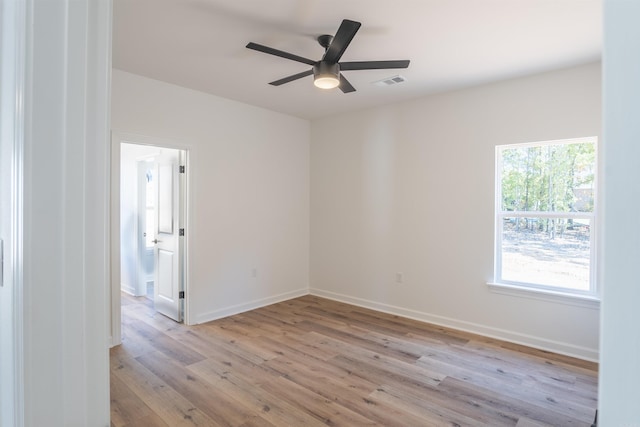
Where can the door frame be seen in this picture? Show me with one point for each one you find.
(13, 84)
(117, 138)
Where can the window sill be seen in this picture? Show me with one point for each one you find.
(586, 301)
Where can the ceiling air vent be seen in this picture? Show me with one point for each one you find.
(391, 81)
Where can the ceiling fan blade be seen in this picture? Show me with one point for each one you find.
(280, 53)
(345, 86)
(373, 65)
(292, 78)
(341, 40)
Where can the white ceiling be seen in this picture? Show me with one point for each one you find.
(200, 44)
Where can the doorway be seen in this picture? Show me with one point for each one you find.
(149, 199)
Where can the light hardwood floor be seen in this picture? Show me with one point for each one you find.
(315, 362)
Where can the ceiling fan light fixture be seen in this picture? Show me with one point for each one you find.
(326, 82)
(326, 76)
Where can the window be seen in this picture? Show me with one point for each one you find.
(545, 224)
(150, 207)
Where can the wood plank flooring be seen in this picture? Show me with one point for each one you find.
(315, 362)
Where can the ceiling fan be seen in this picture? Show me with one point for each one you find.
(327, 71)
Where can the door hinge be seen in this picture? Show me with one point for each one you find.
(181, 295)
(182, 168)
(181, 232)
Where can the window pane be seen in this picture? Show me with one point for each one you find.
(548, 177)
(547, 251)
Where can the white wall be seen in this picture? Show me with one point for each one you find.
(619, 393)
(249, 191)
(410, 188)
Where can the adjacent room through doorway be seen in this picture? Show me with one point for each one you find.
(152, 213)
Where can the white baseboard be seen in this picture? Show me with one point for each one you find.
(128, 289)
(251, 305)
(580, 352)
(487, 331)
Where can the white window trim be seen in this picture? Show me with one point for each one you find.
(589, 298)
(578, 300)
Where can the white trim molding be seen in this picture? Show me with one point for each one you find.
(119, 137)
(65, 212)
(13, 36)
(251, 305)
(577, 300)
(475, 328)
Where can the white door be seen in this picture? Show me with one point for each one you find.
(167, 251)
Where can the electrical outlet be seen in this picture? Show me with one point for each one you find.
(254, 272)
(399, 278)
